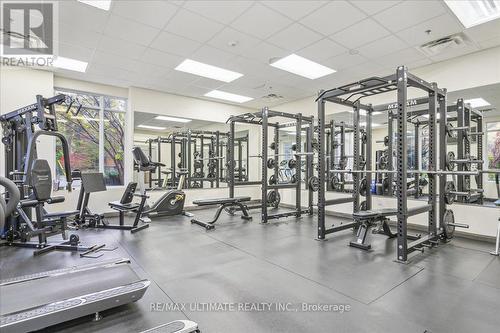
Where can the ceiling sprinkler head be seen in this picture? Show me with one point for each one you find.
(428, 31)
(353, 52)
(233, 43)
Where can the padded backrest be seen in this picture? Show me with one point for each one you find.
(139, 157)
(41, 179)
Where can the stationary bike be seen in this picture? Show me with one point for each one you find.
(170, 203)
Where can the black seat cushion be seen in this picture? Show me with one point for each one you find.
(370, 214)
(220, 201)
(119, 206)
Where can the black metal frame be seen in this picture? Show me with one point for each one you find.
(262, 118)
(400, 81)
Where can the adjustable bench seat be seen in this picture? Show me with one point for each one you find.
(223, 203)
(220, 201)
(374, 214)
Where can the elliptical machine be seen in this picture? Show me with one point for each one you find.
(170, 203)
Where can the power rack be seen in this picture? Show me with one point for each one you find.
(270, 161)
(351, 95)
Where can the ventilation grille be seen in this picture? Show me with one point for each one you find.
(440, 45)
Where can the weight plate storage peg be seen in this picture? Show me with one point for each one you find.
(271, 163)
(272, 180)
(313, 183)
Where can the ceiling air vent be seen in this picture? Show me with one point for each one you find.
(272, 96)
(444, 44)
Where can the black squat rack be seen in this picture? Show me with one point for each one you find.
(440, 221)
(164, 177)
(270, 161)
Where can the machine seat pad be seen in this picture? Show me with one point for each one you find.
(119, 206)
(374, 214)
(220, 201)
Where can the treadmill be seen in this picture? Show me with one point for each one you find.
(32, 302)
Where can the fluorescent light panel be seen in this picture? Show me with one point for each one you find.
(101, 4)
(301, 66)
(228, 96)
(209, 71)
(178, 120)
(477, 102)
(70, 64)
(474, 12)
(156, 128)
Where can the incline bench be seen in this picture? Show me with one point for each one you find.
(368, 219)
(223, 203)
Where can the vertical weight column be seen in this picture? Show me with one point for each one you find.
(321, 169)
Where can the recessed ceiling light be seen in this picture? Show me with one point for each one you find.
(228, 96)
(474, 12)
(101, 4)
(477, 102)
(70, 64)
(179, 120)
(301, 66)
(209, 71)
(156, 128)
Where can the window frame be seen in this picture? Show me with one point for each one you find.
(485, 147)
(101, 110)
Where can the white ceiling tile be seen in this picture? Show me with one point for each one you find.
(333, 17)
(263, 52)
(382, 47)
(344, 60)
(174, 44)
(159, 58)
(419, 63)
(220, 11)
(193, 26)
(409, 13)
(255, 68)
(360, 33)
(249, 81)
(212, 56)
(371, 7)
(108, 71)
(485, 31)
(78, 36)
(208, 83)
(194, 91)
(233, 41)
(130, 30)
(441, 26)
(110, 59)
(82, 16)
(153, 13)
(145, 71)
(321, 50)
(399, 58)
(121, 47)
(294, 9)
(294, 37)
(260, 21)
(75, 52)
(452, 53)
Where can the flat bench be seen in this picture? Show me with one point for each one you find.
(222, 203)
(374, 214)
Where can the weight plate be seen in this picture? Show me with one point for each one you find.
(363, 187)
(334, 183)
(448, 218)
(450, 164)
(271, 163)
(313, 183)
(449, 198)
(292, 163)
(272, 180)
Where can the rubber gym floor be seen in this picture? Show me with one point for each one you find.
(453, 288)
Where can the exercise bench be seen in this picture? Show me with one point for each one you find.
(371, 218)
(223, 203)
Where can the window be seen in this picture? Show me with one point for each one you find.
(493, 147)
(95, 134)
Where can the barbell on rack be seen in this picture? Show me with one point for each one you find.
(431, 172)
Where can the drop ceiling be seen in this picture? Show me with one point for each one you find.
(139, 43)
